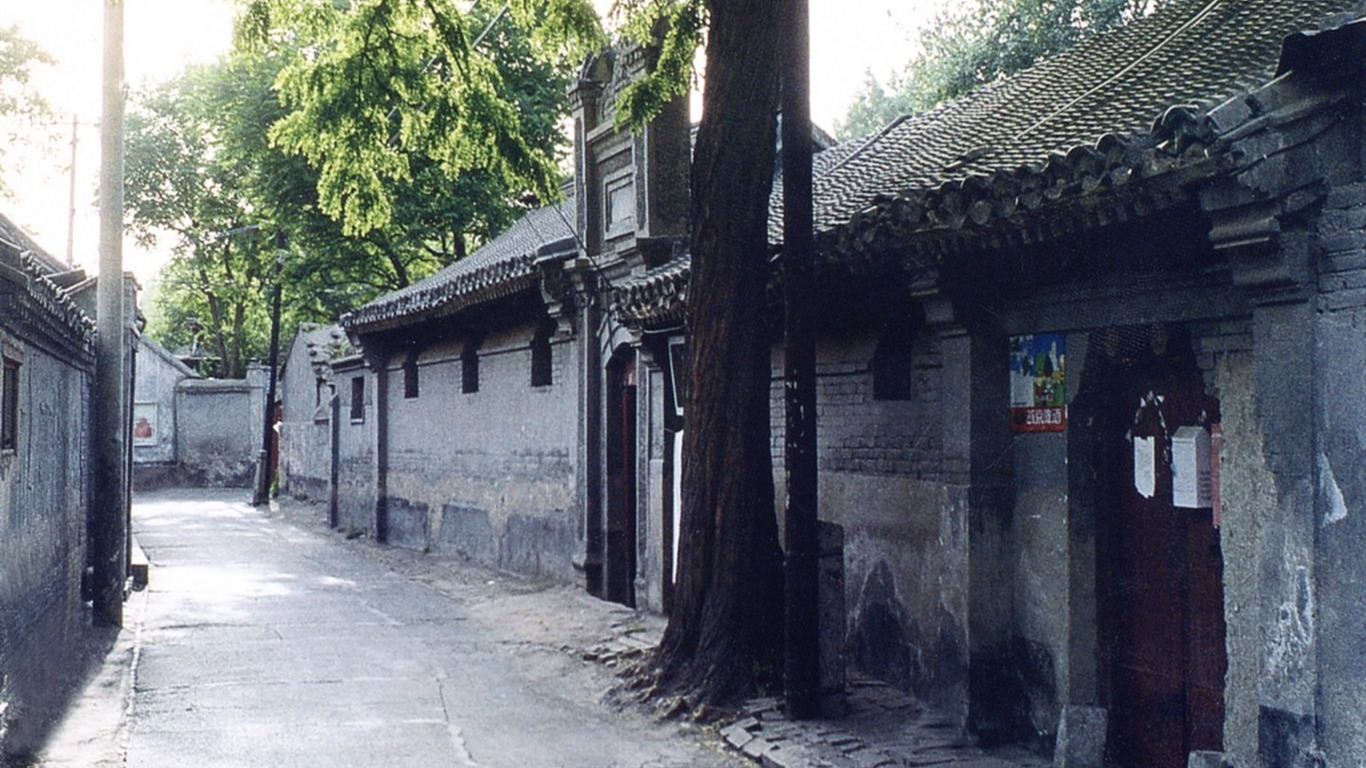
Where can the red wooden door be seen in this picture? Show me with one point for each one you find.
(621, 482)
(1162, 619)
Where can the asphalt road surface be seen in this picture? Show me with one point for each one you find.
(262, 643)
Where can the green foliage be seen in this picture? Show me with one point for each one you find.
(178, 183)
(979, 42)
(24, 112)
(679, 25)
(378, 89)
(561, 30)
(201, 163)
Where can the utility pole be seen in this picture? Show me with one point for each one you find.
(801, 665)
(109, 502)
(71, 197)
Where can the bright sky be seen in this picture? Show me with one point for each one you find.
(849, 37)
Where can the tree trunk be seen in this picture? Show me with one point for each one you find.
(725, 629)
(215, 317)
(236, 369)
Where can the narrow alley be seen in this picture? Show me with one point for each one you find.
(260, 642)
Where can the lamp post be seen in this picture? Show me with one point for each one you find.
(263, 473)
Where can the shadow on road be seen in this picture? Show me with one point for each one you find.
(35, 712)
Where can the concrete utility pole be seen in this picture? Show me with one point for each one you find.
(109, 505)
(71, 196)
(801, 668)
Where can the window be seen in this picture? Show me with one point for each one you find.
(892, 379)
(542, 368)
(469, 368)
(358, 398)
(678, 373)
(9, 400)
(619, 205)
(410, 388)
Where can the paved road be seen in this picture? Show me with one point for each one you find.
(268, 644)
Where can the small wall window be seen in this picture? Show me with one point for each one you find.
(619, 205)
(410, 385)
(469, 368)
(892, 370)
(9, 403)
(542, 368)
(358, 398)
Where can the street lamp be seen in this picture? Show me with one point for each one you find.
(263, 468)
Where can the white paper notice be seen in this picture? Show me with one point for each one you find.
(1145, 466)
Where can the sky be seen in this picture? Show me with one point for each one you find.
(849, 38)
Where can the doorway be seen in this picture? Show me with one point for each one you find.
(622, 478)
(1159, 566)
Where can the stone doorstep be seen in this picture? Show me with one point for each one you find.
(139, 568)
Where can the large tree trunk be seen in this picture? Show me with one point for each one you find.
(726, 624)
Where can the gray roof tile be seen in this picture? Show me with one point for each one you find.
(506, 259)
(1193, 52)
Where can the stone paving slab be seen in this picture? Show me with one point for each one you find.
(885, 729)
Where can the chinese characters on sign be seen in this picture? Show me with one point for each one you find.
(1038, 394)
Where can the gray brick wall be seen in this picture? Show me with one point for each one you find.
(858, 434)
(43, 500)
(493, 470)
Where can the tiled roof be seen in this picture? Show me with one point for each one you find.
(1085, 118)
(34, 269)
(20, 240)
(504, 265)
(1194, 53)
(657, 297)
(322, 344)
(1072, 122)
(823, 161)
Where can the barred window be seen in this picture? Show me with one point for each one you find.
(9, 401)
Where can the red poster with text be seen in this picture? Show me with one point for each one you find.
(1038, 392)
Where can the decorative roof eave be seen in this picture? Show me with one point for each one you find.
(1088, 186)
(659, 299)
(479, 286)
(50, 310)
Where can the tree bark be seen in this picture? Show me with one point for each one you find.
(215, 317)
(725, 629)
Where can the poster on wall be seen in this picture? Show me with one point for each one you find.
(1038, 393)
(144, 424)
